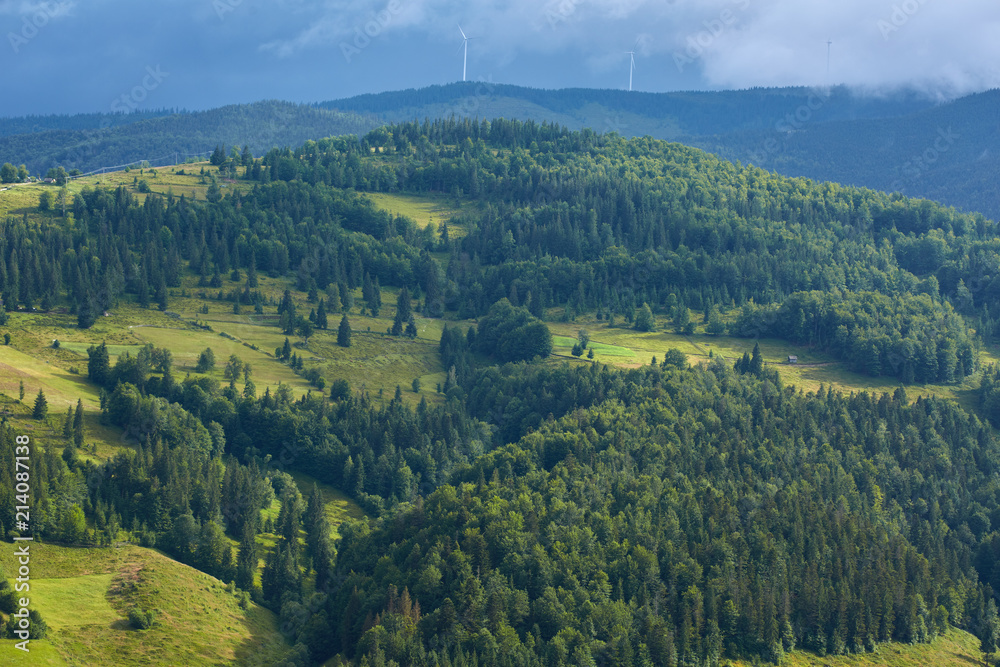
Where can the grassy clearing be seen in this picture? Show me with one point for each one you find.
(41, 653)
(85, 595)
(956, 648)
(337, 506)
(62, 388)
(23, 197)
(424, 210)
(630, 348)
(563, 345)
(187, 343)
(74, 601)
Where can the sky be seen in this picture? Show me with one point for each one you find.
(71, 56)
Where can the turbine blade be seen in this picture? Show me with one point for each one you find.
(462, 31)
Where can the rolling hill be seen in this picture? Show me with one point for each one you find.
(106, 140)
(889, 142)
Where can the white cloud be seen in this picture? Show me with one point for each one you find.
(30, 9)
(941, 45)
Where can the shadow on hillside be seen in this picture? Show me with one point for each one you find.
(262, 646)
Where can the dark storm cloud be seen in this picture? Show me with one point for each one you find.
(76, 55)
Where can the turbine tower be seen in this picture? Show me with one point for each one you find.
(829, 43)
(465, 45)
(631, 55)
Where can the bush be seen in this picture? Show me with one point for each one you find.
(140, 619)
(37, 630)
(340, 389)
(8, 600)
(206, 361)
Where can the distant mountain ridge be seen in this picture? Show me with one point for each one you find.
(82, 121)
(905, 141)
(949, 153)
(678, 114)
(261, 125)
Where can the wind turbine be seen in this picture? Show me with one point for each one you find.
(829, 43)
(631, 55)
(465, 44)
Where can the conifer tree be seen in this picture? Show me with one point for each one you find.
(404, 309)
(246, 560)
(321, 318)
(99, 364)
(989, 632)
(756, 360)
(344, 333)
(41, 406)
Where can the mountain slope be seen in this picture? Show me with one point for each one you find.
(662, 115)
(950, 153)
(882, 142)
(262, 126)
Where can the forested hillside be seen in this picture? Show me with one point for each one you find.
(83, 121)
(886, 141)
(96, 141)
(531, 511)
(948, 153)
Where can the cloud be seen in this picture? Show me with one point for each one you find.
(730, 43)
(33, 8)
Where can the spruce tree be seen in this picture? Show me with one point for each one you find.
(989, 632)
(321, 319)
(41, 406)
(246, 560)
(403, 312)
(85, 314)
(344, 333)
(67, 430)
(756, 360)
(161, 294)
(78, 424)
(98, 364)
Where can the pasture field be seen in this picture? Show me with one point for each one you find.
(612, 346)
(85, 595)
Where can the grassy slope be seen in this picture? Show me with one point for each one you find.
(614, 345)
(957, 648)
(424, 209)
(85, 595)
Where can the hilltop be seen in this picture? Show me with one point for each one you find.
(886, 141)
